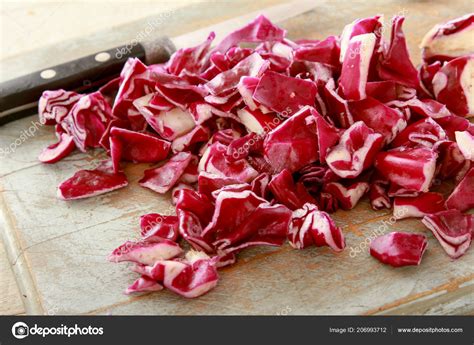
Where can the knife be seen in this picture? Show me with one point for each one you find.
(19, 96)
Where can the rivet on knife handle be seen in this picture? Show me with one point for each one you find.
(18, 97)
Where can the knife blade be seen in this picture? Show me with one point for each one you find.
(19, 96)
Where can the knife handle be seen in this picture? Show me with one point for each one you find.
(18, 97)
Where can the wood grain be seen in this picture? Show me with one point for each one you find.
(10, 300)
(62, 245)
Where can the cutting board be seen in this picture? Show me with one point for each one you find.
(57, 250)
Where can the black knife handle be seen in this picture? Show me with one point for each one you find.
(18, 97)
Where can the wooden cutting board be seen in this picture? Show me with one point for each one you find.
(57, 249)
